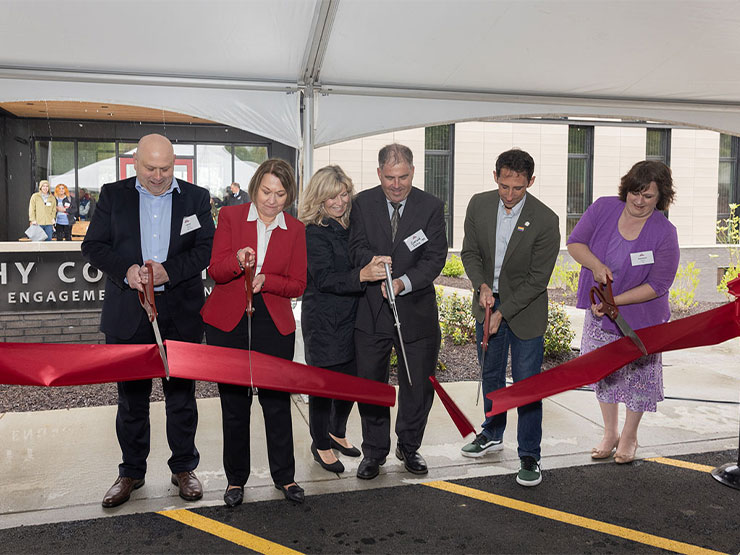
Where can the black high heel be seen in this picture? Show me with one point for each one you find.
(336, 466)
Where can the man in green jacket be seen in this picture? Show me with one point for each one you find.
(511, 243)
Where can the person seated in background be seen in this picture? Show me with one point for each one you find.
(236, 196)
(333, 289)
(42, 209)
(65, 213)
(628, 240)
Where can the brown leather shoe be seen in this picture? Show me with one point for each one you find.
(189, 485)
(120, 491)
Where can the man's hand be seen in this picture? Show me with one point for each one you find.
(160, 274)
(133, 276)
(398, 286)
(495, 322)
(485, 298)
(375, 269)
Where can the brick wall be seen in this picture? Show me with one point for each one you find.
(73, 326)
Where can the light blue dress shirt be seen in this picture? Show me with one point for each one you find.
(155, 220)
(505, 223)
(404, 278)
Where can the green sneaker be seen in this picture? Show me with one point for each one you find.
(482, 445)
(529, 472)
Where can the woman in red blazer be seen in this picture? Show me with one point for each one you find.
(261, 234)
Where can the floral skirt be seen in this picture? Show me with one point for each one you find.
(639, 384)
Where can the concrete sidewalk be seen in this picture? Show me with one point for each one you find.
(56, 465)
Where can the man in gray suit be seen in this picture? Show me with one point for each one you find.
(511, 243)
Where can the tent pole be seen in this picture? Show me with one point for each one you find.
(308, 136)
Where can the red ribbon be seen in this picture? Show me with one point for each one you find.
(53, 364)
(460, 420)
(707, 328)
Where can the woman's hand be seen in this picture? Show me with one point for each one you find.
(246, 257)
(601, 272)
(258, 283)
(596, 310)
(375, 269)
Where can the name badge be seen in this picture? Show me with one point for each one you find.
(642, 258)
(48, 203)
(416, 240)
(189, 223)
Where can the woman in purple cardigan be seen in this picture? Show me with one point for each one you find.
(606, 242)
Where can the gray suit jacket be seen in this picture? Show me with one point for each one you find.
(528, 263)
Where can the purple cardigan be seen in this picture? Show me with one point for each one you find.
(596, 229)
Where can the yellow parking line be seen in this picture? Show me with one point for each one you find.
(682, 464)
(229, 533)
(575, 520)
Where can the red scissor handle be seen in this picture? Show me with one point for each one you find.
(606, 298)
(147, 297)
(486, 327)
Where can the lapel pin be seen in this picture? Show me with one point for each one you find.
(526, 224)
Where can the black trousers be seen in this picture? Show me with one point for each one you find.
(63, 232)
(373, 353)
(132, 418)
(326, 415)
(236, 401)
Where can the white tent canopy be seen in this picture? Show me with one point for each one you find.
(361, 67)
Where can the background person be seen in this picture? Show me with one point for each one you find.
(260, 231)
(66, 211)
(42, 209)
(329, 306)
(86, 206)
(509, 250)
(235, 196)
(153, 218)
(397, 220)
(606, 242)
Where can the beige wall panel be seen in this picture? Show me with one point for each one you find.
(695, 165)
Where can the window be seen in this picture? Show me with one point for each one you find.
(580, 173)
(728, 190)
(658, 145)
(439, 166)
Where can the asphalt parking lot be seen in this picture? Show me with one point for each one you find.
(649, 506)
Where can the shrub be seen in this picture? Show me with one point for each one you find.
(565, 275)
(684, 287)
(453, 267)
(559, 333)
(728, 231)
(455, 317)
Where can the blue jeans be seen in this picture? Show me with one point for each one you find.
(49, 229)
(526, 361)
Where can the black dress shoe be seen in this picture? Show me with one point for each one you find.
(369, 468)
(412, 461)
(293, 493)
(120, 491)
(234, 496)
(336, 466)
(347, 451)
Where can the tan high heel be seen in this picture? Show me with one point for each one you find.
(597, 453)
(624, 458)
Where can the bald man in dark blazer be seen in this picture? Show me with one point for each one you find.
(418, 248)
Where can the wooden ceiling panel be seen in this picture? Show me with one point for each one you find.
(95, 111)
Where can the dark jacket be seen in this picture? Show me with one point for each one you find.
(241, 198)
(113, 244)
(330, 300)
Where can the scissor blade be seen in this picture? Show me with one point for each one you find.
(629, 332)
(162, 352)
(480, 382)
(403, 351)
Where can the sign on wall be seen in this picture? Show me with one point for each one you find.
(52, 281)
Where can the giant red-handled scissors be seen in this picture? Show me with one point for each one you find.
(609, 307)
(146, 299)
(484, 349)
(248, 278)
